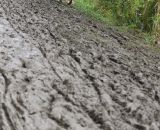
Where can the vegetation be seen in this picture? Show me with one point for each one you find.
(138, 14)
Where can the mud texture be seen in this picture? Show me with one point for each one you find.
(60, 70)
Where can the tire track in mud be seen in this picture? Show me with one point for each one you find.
(8, 114)
(100, 85)
(67, 99)
(9, 118)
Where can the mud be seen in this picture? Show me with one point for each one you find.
(60, 70)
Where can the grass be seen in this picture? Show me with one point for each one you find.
(88, 7)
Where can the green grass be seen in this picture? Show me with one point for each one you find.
(149, 39)
(88, 7)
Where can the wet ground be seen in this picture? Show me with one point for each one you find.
(60, 70)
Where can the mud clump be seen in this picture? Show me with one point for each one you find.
(60, 70)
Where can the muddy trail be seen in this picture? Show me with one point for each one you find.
(60, 70)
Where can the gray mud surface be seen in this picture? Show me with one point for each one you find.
(60, 70)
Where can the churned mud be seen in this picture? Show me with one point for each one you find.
(60, 70)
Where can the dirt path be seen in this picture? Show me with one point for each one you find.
(62, 71)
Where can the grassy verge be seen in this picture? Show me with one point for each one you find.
(90, 9)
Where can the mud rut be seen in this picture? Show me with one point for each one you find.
(61, 71)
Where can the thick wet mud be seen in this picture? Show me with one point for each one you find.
(60, 70)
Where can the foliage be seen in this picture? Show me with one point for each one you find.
(141, 14)
(157, 24)
(90, 8)
(131, 12)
